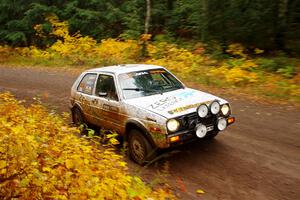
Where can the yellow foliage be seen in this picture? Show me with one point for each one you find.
(145, 37)
(248, 64)
(178, 60)
(39, 30)
(78, 49)
(235, 75)
(258, 51)
(199, 191)
(83, 50)
(237, 50)
(236, 71)
(41, 157)
(295, 90)
(59, 28)
(5, 53)
(118, 51)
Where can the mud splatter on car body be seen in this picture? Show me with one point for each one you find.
(151, 99)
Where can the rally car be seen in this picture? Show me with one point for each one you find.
(148, 106)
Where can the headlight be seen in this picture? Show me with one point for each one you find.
(225, 109)
(173, 125)
(222, 124)
(215, 107)
(202, 110)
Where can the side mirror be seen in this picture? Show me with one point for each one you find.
(102, 94)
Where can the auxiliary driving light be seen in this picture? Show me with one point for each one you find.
(225, 109)
(222, 124)
(201, 131)
(202, 110)
(215, 107)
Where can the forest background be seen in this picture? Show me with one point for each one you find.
(251, 45)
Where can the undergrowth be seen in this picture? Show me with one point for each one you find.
(41, 157)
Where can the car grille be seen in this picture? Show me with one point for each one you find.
(189, 121)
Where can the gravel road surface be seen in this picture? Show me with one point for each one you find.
(256, 158)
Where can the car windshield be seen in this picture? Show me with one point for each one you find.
(148, 82)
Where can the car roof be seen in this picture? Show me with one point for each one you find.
(125, 68)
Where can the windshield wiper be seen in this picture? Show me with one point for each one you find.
(173, 87)
(139, 89)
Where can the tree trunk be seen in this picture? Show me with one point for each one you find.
(282, 24)
(148, 16)
(205, 20)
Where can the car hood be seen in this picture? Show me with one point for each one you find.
(174, 103)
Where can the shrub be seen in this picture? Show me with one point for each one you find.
(235, 76)
(237, 50)
(267, 64)
(6, 52)
(41, 157)
(287, 71)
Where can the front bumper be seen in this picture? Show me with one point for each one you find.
(184, 136)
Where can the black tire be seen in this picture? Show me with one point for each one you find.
(140, 150)
(77, 116)
(211, 135)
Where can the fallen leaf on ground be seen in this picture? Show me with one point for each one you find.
(199, 191)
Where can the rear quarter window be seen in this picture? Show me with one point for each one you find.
(87, 84)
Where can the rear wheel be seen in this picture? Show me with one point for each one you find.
(77, 116)
(140, 150)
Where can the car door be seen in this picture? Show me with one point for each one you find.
(85, 92)
(106, 104)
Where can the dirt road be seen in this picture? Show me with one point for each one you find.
(256, 158)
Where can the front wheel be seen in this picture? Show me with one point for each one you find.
(140, 150)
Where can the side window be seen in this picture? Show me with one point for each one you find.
(106, 87)
(87, 84)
